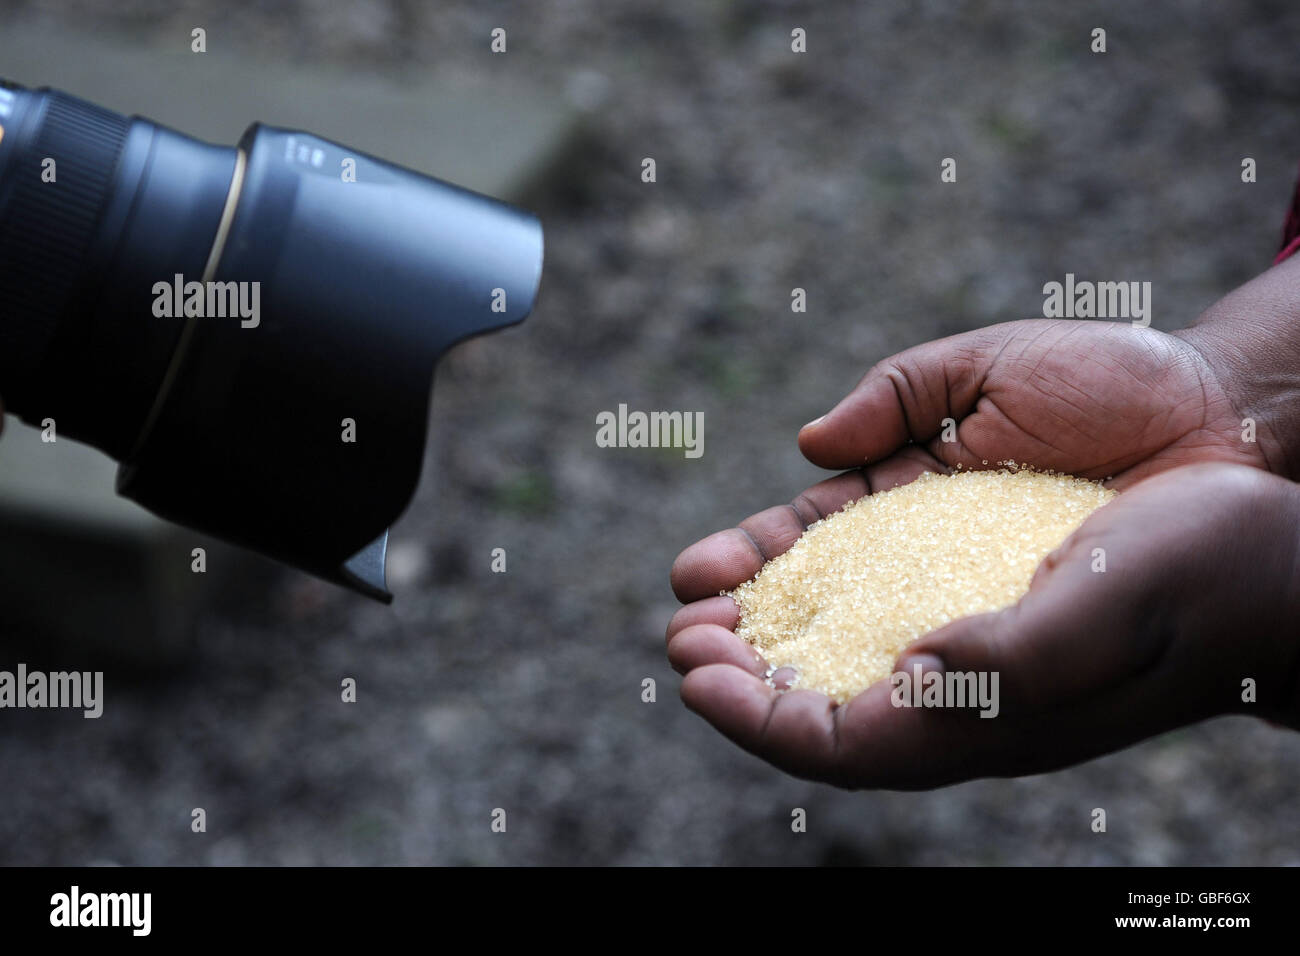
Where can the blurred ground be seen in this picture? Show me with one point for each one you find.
(522, 690)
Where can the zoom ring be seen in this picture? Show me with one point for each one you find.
(48, 224)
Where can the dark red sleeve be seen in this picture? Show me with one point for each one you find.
(1291, 231)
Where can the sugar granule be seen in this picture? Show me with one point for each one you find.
(863, 583)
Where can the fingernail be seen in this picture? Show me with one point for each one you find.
(928, 663)
(814, 422)
(782, 678)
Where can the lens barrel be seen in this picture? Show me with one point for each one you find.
(250, 331)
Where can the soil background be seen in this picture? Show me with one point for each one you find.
(523, 690)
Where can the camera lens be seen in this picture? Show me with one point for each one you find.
(251, 330)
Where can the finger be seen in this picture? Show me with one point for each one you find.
(1059, 643)
(904, 398)
(909, 748)
(1133, 708)
(983, 427)
(829, 496)
(728, 558)
(867, 742)
(718, 563)
(774, 530)
(704, 644)
(870, 742)
(719, 610)
(793, 729)
(903, 467)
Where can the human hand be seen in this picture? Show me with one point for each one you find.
(1200, 594)
(1102, 400)
(1094, 399)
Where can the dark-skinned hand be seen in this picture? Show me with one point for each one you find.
(1199, 592)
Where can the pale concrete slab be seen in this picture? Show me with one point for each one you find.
(487, 134)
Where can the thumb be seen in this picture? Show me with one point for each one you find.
(904, 398)
(1073, 634)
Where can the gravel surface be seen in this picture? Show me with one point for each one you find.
(522, 690)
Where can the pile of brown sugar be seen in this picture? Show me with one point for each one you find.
(863, 583)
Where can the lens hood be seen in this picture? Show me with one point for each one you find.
(293, 422)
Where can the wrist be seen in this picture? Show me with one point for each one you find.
(1249, 344)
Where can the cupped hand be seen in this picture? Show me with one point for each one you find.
(1094, 399)
(1107, 401)
(1198, 597)
(1100, 400)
